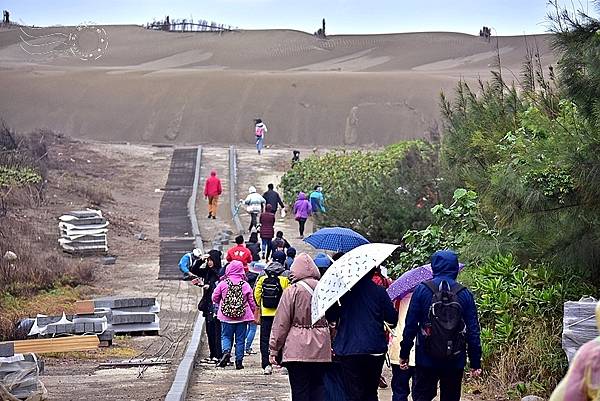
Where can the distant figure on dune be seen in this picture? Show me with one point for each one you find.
(260, 129)
(295, 157)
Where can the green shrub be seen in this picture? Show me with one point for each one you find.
(520, 310)
(380, 194)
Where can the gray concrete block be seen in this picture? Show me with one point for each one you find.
(51, 329)
(108, 335)
(97, 327)
(89, 327)
(80, 328)
(7, 349)
(59, 329)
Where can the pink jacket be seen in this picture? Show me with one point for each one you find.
(235, 273)
(292, 330)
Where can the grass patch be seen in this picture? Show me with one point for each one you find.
(51, 302)
(97, 194)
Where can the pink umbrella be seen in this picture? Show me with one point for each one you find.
(407, 282)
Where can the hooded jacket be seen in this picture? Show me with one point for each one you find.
(361, 317)
(212, 187)
(582, 382)
(254, 202)
(317, 201)
(274, 268)
(292, 330)
(267, 224)
(302, 208)
(210, 276)
(444, 265)
(235, 273)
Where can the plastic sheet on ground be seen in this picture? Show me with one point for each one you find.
(579, 325)
(20, 376)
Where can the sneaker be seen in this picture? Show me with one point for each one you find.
(284, 371)
(268, 370)
(238, 365)
(209, 216)
(214, 217)
(250, 351)
(224, 361)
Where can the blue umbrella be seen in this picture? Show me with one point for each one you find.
(337, 239)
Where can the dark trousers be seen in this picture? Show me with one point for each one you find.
(253, 221)
(361, 376)
(301, 224)
(426, 384)
(266, 323)
(306, 380)
(213, 333)
(267, 247)
(401, 382)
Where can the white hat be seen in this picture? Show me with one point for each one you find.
(252, 190)
(197, 252)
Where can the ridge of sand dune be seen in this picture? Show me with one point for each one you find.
(155, 86)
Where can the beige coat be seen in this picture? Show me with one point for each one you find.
(395, 345)
(292, 331)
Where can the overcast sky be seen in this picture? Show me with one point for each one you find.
(507, 17)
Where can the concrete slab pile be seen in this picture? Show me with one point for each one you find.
(83, 232)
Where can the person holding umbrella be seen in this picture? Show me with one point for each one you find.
(361, 343)
(443, 317)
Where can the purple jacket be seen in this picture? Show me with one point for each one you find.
(302, 207)
(235, 273)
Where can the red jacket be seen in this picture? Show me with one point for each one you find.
(213, 185)
(241, 253)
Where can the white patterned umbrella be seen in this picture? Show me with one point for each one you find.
(344, 273)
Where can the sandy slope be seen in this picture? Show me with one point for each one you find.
(205, 87)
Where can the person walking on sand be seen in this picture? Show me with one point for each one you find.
(236, 308)
(212, 191)
(361, 342)
(305, 347)
(302, 211)
(210, 273)
(260, 129)
(441, 312)
(267, 294)
(255, 204)
(267, 231)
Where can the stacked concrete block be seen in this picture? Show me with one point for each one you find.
(54, 326)
(83, 232)
(20, 375)
(132, 314)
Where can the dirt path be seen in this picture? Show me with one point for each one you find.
(133, 173)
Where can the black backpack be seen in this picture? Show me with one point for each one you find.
(271, 291)
(445, 334)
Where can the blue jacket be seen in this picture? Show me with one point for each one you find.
(317, 202)
(445, 267)
(360, 319)
(186, 262)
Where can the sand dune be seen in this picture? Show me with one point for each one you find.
(161, 87)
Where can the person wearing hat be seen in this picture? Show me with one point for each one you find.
(189, 260)
(323, 262)
(255, 204)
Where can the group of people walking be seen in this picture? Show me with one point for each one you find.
(340, 357)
